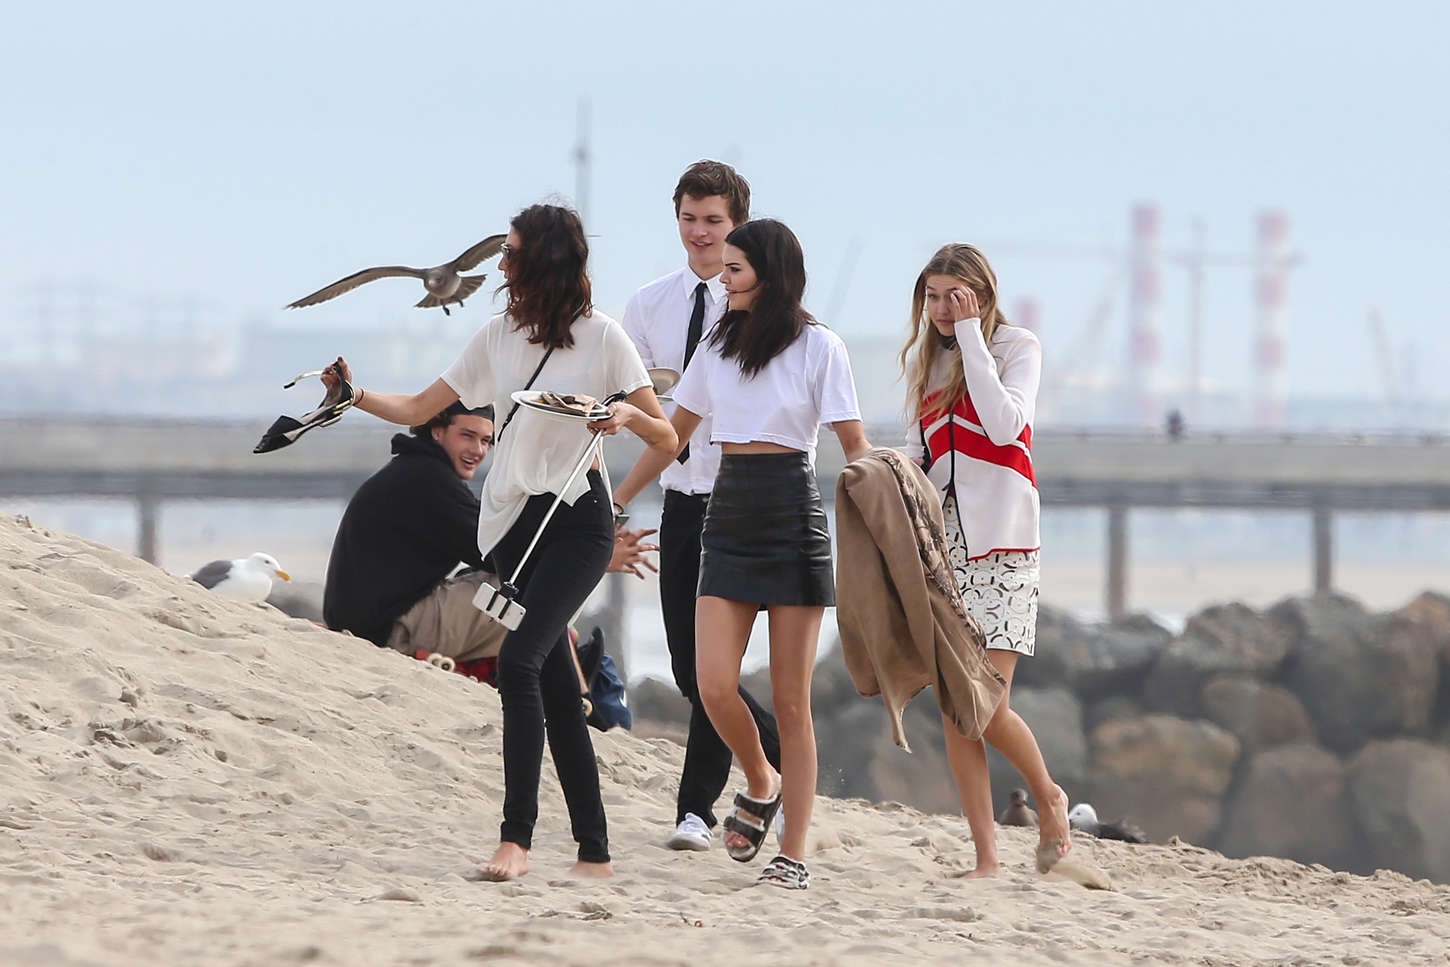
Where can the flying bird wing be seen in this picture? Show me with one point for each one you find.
(353, 281)
(467, 286)
(212, 574)
(485, 249)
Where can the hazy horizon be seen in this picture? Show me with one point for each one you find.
(243, 157)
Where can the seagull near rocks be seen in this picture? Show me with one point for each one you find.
(1084, 818)
(444, 282)
(247, 579)
(1017, 813)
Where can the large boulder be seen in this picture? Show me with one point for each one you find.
(1055, 718)
(922, 778)
(1260, 715)
(659, 701)
(1291, 801)
(1400, 794)
(1094, 660)
(1432, 610)
(1224, 639)
(1361, 676)
(855, 753)
(1166, 774)
(1110, 709)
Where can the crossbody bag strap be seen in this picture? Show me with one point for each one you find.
(527, 386)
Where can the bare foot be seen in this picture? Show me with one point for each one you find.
(593, 871)
(735, 840)
(982, 871)
(510, 861)
(1049, 852)
(1055, 839)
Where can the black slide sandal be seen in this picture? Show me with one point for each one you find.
(752, 829)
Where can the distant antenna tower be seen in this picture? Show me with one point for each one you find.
(1145, 340)
(1029, 315)
(581, 163)
(1271, 281)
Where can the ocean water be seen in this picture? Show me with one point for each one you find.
(1179, 560)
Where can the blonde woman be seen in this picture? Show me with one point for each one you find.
(972, 383)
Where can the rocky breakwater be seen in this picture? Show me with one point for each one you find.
(1315, 730)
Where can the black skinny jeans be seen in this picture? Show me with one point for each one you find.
(536, 679)
(707, 757)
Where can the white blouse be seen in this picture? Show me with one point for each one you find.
(806, 384)
(536, 453)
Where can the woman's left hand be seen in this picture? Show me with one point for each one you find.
(620, 417)
(964, 304)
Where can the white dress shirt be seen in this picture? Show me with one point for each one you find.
(658, 321)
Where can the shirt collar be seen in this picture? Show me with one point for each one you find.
(713, 287)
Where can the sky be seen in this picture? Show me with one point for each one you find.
(247, 154)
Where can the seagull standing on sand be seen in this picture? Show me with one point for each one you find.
(246, 579)
(1018, 813)
(444, 283)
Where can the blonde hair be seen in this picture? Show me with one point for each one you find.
(924, 347)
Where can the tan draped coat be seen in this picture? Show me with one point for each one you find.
(903, 622)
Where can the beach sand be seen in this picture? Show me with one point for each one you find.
(188, 780)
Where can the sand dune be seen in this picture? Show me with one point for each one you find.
(186, 780)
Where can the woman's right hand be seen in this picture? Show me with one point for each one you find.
(621, 416)
(334, 371)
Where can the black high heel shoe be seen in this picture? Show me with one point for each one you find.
(285, 430)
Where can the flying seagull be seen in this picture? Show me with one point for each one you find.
(247, 579)
(443, 282)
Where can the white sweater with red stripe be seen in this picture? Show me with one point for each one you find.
(981, 450)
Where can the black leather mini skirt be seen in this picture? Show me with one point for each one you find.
(765, 539)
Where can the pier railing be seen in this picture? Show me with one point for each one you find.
(154, 461)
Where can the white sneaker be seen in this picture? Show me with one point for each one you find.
(692, 834)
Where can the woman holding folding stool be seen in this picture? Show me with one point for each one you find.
(545, 514)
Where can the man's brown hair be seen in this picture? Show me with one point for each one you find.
(705, 178)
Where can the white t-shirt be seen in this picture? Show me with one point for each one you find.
(658, 320)
(807, 384)
(537, 452)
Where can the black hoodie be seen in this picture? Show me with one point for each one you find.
(405, 529)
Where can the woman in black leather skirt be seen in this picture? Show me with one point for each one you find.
(768, 375)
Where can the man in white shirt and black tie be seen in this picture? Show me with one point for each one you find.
(667, 319)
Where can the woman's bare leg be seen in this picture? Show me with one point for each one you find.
(794, 631)
(968, 760)
(722, 630)
(1012, 737)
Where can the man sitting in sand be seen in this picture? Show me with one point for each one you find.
(408, 527)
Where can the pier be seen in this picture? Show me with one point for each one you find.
(153, 462)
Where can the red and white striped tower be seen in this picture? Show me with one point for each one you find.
(1144, 339)
(1270, 283)
(1029, 315)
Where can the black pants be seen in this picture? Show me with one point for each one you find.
(707, 757)
(536, 680)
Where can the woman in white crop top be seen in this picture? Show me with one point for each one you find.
(550, 332)
(768, 376)
(972, 392)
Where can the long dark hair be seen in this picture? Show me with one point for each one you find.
(755, 336)
(548, 287)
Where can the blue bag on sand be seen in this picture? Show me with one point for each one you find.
(606, 689)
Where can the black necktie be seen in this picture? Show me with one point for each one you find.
(692, 339)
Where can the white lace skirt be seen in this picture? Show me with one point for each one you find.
(1000, 589)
